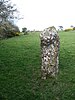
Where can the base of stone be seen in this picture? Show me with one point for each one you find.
(49, 76)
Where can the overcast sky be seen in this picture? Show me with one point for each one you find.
(39, 14)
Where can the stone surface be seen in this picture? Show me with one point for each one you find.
(49, 52)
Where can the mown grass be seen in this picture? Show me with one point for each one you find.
(20, 75)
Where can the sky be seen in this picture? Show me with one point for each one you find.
(40, 14)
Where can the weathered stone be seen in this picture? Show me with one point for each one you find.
(49, 52)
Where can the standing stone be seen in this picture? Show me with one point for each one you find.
(49, 52)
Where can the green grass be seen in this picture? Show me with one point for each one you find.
(20, 74)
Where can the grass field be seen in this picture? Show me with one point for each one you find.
(20, 63)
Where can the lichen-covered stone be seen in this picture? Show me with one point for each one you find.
(49, 52)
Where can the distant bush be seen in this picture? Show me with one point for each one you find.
(8, 30)
(17, 33)
(25, 33)
(69, 29)
(73, 28)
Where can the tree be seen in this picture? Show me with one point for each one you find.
(7, 10)
(24, 30)
(61, 27)
(71, 26)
